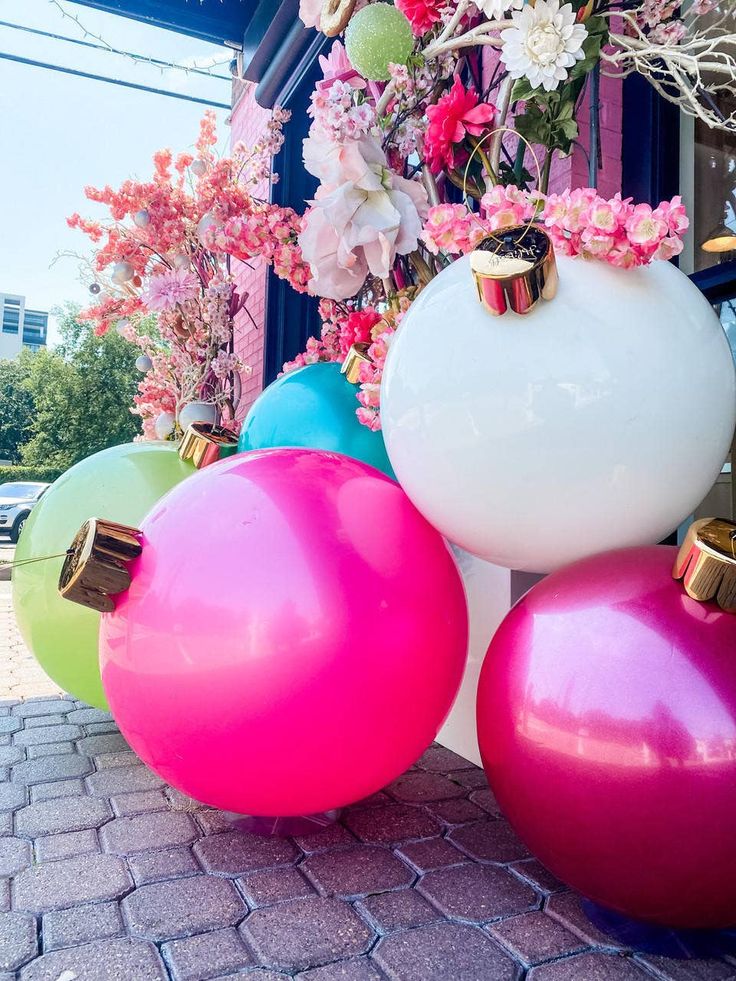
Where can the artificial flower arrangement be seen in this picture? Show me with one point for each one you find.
(435, 123)
(416, 115)
(160, 278)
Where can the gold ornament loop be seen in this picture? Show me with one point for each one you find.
(513, 267)
(706, 562)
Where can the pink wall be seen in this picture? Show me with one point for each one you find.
(247, 123)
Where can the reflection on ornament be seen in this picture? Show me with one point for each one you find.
(143, 363)
(122, 483)
(514, 268)
(545, 438)
(313, 407)
(247, 678)
(198, 167)
(122, 272)
(95, 288)
(197, 412)
(164, 425)
(607, 727)
(377, 36)
(141, 218)
(122, 325)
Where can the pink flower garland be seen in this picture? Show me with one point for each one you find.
(579, 222)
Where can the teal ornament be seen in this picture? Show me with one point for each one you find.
(377, 36)
(313, 407)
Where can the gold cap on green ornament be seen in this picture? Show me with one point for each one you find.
(706, 562)
(95, 567)
(514, 268)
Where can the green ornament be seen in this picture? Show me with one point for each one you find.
(121, 484)
(377, 36)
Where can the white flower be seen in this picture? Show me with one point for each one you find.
(543, 43)
(495, 9)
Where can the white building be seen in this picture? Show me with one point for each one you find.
(19, 326)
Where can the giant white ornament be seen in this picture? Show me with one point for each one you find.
(601, 419)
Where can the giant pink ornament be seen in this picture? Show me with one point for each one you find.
(607, 727)
(293, 638)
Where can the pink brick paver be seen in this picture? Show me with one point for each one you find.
(107, 874)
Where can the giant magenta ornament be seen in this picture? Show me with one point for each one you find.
(600, 419)
(121, 484)
(313, 407)
(607, 727)
(378, 36)
(289, 661)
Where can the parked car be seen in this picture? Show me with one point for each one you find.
(16, 501)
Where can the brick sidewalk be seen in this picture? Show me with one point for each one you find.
(106, 874)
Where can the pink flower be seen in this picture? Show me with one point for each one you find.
(674, 213)
(309, 12)
(669, 247)
(644, 226)
(336, 65)
(504, 206)
(362, 217)
(168, 289)
(457, 114)
(422, 14)
(671, 33)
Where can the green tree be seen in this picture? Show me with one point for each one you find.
(16, 410)
(82, 392)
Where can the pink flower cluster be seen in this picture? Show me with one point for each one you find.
(579, 222)
(335, 114)
(618, 231)
(342, 327)
(268, 231)
(161, 266)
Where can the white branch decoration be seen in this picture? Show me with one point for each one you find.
(689, 73)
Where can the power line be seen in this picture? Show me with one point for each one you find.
(113, 81)
(87, 33)
(110, 50)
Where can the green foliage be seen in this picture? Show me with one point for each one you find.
(44, 474)
(16, 410)
(80, 394)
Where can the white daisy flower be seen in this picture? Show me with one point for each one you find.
(543, 43)
(497, 9)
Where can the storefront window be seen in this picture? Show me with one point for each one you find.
(708, 172)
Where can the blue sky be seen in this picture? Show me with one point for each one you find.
(58, 133)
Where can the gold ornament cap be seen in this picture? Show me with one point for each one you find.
(203, 444)
(95, 569)
(356, 356)
(514, 268)
(706, 562)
